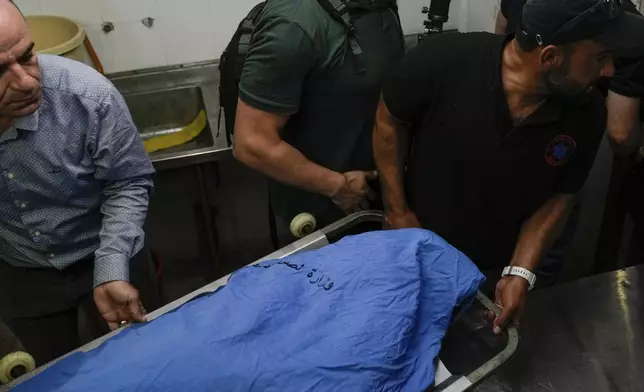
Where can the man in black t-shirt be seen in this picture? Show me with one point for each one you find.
(625, 104)
(625, 90)
(503, 131)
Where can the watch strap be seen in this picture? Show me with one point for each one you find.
(522, 272)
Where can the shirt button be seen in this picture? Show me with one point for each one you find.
(23, 205)
(51, 255)
(36, 233)
(10, 175)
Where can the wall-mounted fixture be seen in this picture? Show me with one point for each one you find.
(107, 27)
(148, 22)
(437, 15)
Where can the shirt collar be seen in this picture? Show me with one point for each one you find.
(550, 111)
(28, 123)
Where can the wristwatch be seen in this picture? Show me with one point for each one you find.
(522, 272)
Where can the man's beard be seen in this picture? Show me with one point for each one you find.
(559, 87)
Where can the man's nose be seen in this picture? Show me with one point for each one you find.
(22, 81)
(608, 71)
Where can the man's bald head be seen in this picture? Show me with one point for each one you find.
(15, 5)
(13, 26)
(19, 72)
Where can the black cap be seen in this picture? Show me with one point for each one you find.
(614, 23)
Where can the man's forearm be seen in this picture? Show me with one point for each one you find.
(259, 145)
(284, 163)
(121, 236)
(541, 230)
(390, 146)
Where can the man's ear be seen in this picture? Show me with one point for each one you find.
(551, 57)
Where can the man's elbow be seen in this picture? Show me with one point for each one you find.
(250, 150)
(623, 125)
(623, 140)
(619, 142)
(243, 151)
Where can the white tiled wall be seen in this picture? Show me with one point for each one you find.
(185, 31)
(480, 15)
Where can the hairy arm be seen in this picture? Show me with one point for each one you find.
(541, 230)
(390, 149)
(623, 127)
(407, 95)
(258, 144)
(537, 236)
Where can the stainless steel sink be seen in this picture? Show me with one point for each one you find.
(169, 111)
(165, 100)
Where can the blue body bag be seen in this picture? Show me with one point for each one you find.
(365, 314)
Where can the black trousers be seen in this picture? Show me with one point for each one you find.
(52, 312)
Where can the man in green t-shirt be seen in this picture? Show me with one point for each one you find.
(305, 112)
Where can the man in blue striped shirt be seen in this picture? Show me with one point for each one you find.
(74, 186)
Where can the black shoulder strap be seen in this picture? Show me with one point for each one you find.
(339, 9)
(256, 10)
(231, 65)
(247, 26)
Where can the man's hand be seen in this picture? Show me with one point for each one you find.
(354, 194)
(118, 301)
(510, 297)
(403, 219)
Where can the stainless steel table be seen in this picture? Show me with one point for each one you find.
(586, 336)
